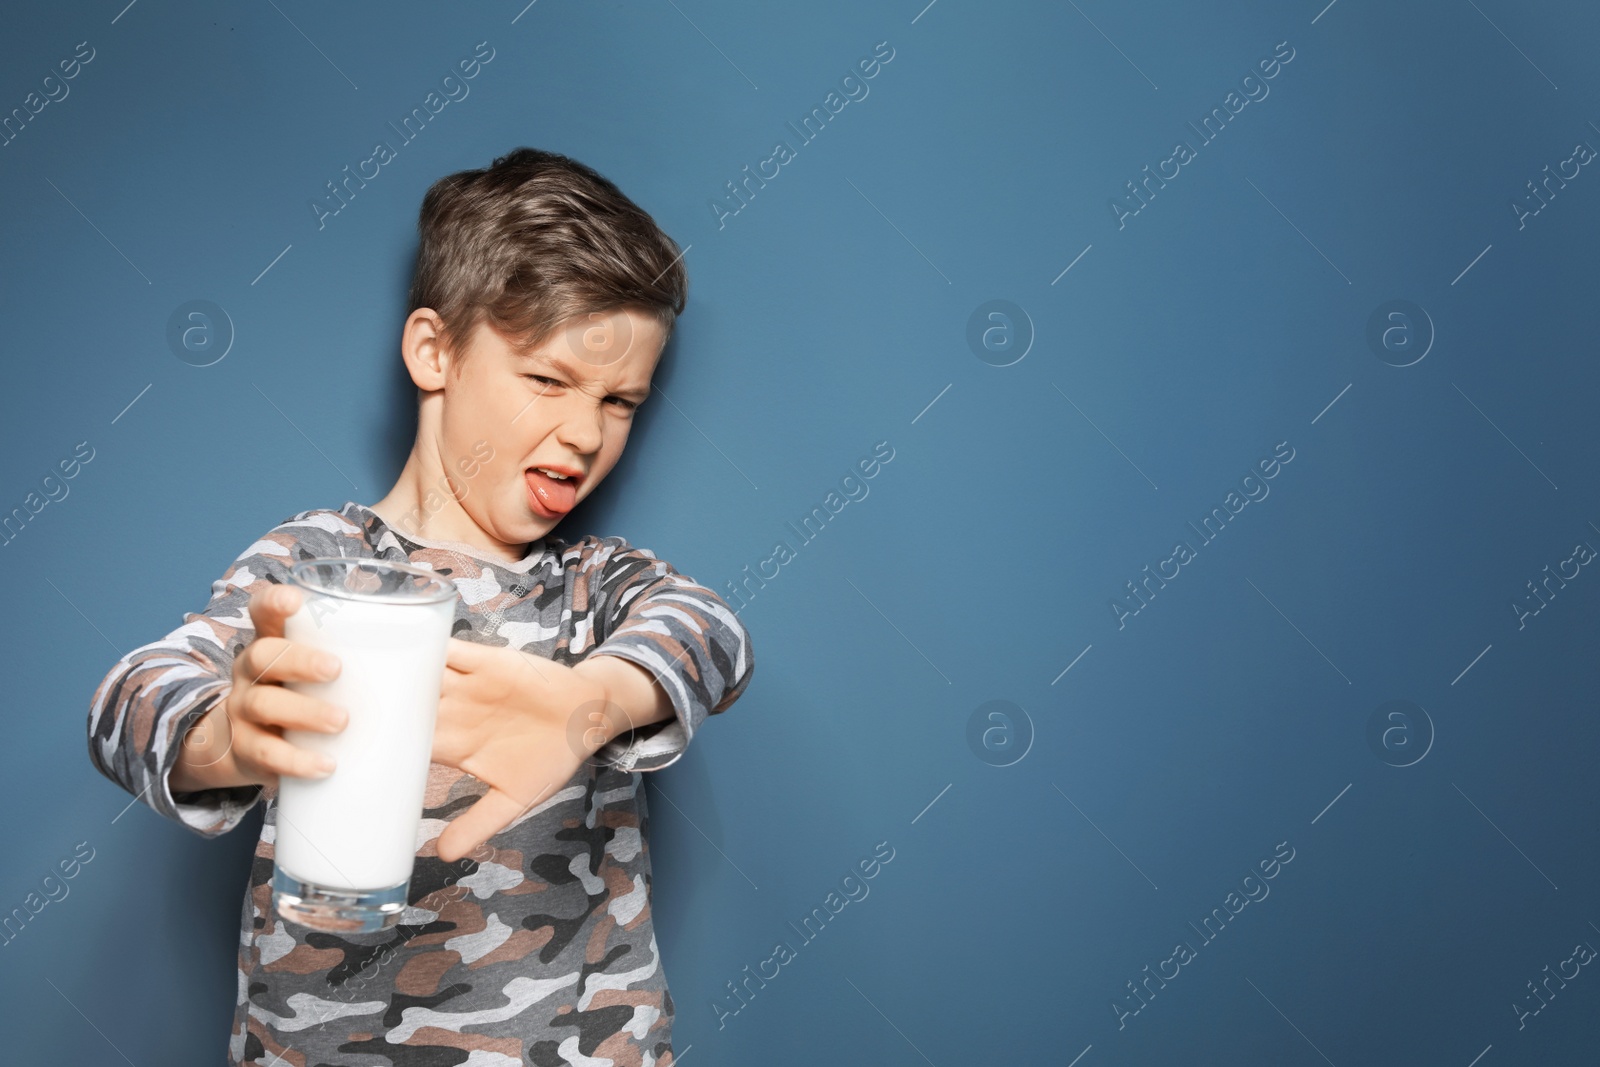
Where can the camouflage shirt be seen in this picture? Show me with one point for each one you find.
(540, 947)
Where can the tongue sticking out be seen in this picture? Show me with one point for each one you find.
(557, 496)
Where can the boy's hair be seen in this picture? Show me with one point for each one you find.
(532, 241)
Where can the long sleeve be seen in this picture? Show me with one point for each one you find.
(682, 633)
(147, 702)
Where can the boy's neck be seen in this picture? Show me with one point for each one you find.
(407, 509)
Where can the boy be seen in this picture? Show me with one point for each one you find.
(541, 302)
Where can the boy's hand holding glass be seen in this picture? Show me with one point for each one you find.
(520, 724)
(240, 740)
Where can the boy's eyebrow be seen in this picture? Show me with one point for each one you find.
(637, 395)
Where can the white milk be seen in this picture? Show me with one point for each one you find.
(357, 828)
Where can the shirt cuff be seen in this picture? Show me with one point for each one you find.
(656, 744)
(208, 812)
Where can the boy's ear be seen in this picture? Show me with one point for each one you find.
(422, 348)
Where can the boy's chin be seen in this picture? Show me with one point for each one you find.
(513, 525)
(531, 527)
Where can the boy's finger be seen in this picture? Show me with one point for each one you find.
(275, 756)
(274, 659)
(493, 812)
(270, 607)
(273, 705)
(465, 655)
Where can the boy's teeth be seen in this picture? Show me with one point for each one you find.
(553, 474)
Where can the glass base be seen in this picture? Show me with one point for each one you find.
(337, 910)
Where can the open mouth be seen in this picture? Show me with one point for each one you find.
(549, 495)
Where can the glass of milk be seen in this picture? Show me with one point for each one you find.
(345, 843)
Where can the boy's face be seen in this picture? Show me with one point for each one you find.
(567, 404)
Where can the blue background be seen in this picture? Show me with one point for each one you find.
(1231, 714)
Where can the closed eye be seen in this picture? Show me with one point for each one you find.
(625, 403)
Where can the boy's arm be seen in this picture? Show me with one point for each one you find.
(680, 632)
(633, 697)
(144, 707)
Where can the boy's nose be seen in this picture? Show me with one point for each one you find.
(581, 428)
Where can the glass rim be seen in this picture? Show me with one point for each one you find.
(446, 587)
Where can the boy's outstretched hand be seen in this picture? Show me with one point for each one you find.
(523, 726)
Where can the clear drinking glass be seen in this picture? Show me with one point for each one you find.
(346, 843)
